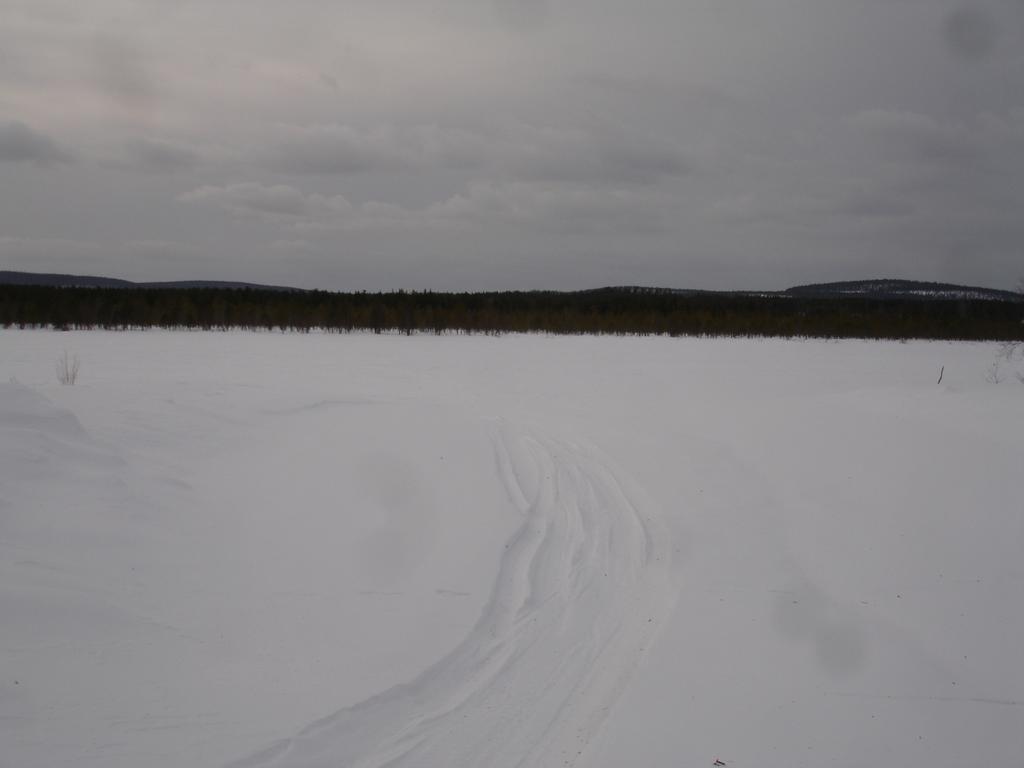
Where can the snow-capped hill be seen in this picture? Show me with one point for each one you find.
(901, 289)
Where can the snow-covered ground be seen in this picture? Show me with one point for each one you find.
(319, 550)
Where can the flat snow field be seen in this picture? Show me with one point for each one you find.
(257, 549)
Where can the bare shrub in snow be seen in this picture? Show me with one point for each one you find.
(994, 375)
(67, 368)
(1011, 352)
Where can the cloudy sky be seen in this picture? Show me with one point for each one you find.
(468, 144)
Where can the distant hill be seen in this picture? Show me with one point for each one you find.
(61, 281)
(868, 289)
(51, 280)
(900, 289)
(852, 289)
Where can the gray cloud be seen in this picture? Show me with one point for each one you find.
(549, 206)
(516, 143)
(346, 149)
(278, 201)
(122, 72)
(333, 149)
(287, 206)
(868, 204)
(570, 208)
(20, 143)
(295, 246)
(522, 14)
(581, 156)
(157, 156)
(913, 136)
(969, 32)
(515, 152)
(160, 249)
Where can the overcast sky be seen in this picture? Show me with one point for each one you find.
(468, 144)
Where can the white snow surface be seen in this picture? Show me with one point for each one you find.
(280, 550)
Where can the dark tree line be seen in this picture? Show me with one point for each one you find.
(605, 311)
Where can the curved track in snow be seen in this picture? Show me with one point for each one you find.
(580, 593)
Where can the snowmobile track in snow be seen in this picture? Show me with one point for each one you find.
(581, 591)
